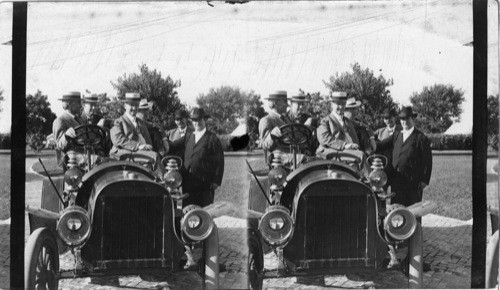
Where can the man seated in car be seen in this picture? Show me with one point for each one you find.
(335, 132)
(130, 134)
(159, 139)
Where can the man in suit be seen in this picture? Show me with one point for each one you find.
(63, 126)
(335, 132)
(203, 161)
(159, 139)
(269, 125)
(297, 114)
(181, 121)
(365, 135)
(89, 113)
(411, 160)
(130, 134)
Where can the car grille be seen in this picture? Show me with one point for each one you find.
(132, 228)
(332, 228)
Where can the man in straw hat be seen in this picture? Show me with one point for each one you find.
(89, 113)
(411, 160)
(335, 132)
(129, 133)
(365, 135)
(269, 125)
(298, 105)
(63, 126)
(159, 139)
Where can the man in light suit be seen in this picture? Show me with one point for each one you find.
(365, 134)
(158, 137)
(63, 126)
(181, 120)
(411, 160)
(130, 134)
(335, 132)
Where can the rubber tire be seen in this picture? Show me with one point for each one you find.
(415, 259)
(492, 274)
(41, 237)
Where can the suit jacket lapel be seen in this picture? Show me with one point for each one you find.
(337, 124)
(202, 139)
(130, 125)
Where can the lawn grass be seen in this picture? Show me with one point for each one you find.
(451, 186)
(4, 186)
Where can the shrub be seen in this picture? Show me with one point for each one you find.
(450, 142)
(225, 140)
(5, 141)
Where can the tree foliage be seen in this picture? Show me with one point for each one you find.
(364, 86)
(157, 89)
(39, 119)
(493, 121)
(1, 99)
(226, 104)
(437, 106)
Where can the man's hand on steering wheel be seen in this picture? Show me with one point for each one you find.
(276, 132)
(352, 146)
(145, 147)
(70, 133)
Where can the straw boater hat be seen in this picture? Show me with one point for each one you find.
(277, 95)
(71, 96)
(90, 99)
(406, 112)
(338, 97)
(145, 105)
(299, 98)
(352, 103)
(132, 98)
(199, 113)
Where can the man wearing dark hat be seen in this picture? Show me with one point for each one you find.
(183, 127)
(411, 160)
(130, 133)
(365, 135)
(335, 132)
(270, 124)
(203, 161)
(159, 139)
(63, 126)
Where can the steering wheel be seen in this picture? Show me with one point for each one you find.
(294, 135)
(89, 135)
(351, 157)
(138, 158)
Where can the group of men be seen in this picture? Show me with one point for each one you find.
(200, 149)
(406, 148)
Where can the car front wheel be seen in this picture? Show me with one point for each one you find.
(41, 261)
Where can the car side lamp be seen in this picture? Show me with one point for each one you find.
(277, 177)
(173, 180)
(377, 176)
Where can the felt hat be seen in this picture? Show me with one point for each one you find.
(71, 96)
(352, 103)
(277, 95)
(338, 97)
(180, 113)
(199, 113)
(407, 112)
(388, 112)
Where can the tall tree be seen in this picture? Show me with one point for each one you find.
(39, 119)
(437, 106)
(493, 121)
(226, 104)
(372, 91)
(151, 85)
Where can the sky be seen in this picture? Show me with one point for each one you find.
(259, 46)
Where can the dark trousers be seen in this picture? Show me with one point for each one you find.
(407, 191)
(200, 197)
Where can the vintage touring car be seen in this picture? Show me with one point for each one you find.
(117, 217)
(327, 216)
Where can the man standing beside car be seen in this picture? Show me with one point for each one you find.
(203, 161)
(411, 160)
(183, 127)
(335, 132)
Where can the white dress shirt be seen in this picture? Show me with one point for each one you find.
(198, 135)
(407, 133)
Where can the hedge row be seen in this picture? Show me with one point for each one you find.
(5, 141)
(450, 142)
